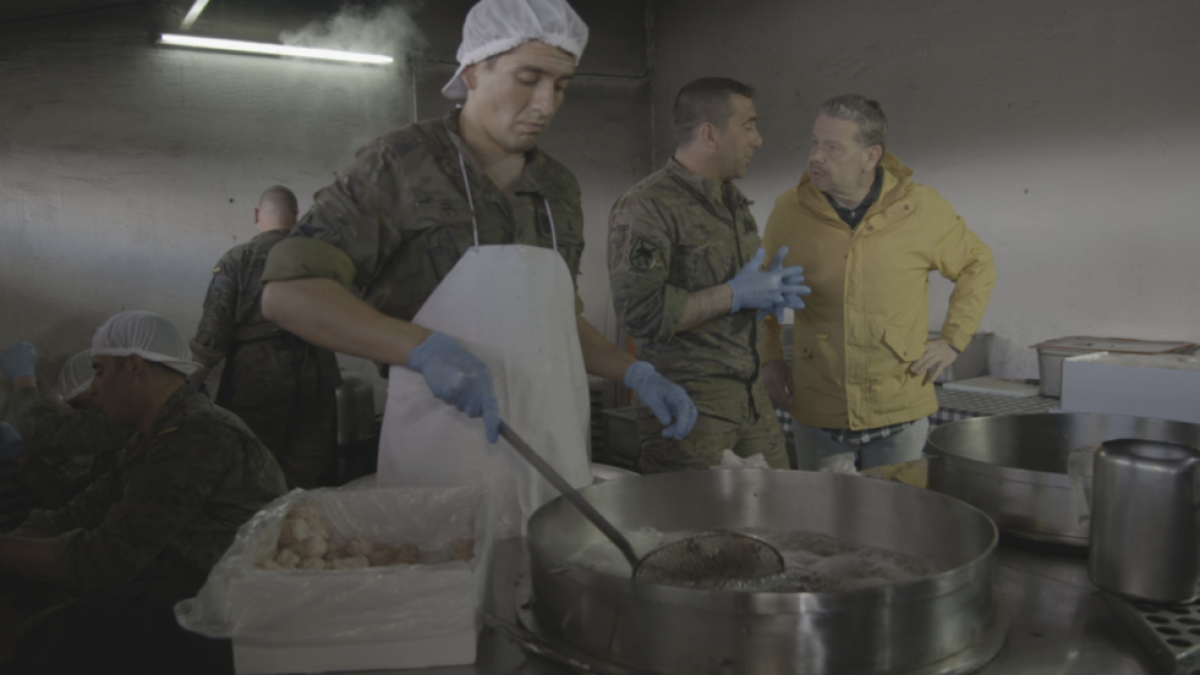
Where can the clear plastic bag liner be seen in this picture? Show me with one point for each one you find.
(379, 604)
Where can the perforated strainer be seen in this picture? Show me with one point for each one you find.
(714, 560)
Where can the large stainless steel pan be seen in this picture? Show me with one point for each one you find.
(1014, 467)
(946, 623)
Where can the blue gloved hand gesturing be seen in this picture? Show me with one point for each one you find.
(19, 360)
(11, 445)
(669, 402)
(459, 378)
(771, 290)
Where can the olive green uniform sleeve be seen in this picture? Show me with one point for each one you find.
(639, 263)
(298, 258)
(354, 217)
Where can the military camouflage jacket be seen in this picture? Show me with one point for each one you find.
(172, 504)
(233, 306)
(397, 219)
(669, 235)
(266, 363)
(64, 453)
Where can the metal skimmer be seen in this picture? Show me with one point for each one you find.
(712, 560)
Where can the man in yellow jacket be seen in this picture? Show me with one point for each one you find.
(861, 384)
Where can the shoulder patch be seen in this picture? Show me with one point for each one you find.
(645, 254)
(217, 269)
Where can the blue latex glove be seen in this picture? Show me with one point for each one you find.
(771, 290)
(19, 360)
(793, 300)
(459, 378)
(11, 445)
(669, 402)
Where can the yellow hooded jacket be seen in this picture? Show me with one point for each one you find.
(867, 320)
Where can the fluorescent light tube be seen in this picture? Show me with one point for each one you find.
(271, 49)
(194, 13)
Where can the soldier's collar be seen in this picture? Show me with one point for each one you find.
(534, 159)
(162, 422)
(709, 189)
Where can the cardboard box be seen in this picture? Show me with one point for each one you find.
(1160, 386)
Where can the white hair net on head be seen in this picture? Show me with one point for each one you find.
(497, 26)
(148, 335)
(76, 375)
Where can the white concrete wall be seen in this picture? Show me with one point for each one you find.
(1064, 131)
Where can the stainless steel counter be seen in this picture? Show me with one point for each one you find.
(1061, 625)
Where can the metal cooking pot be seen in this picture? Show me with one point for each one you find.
(1014, 467)
(1145, 522)
(946, 623)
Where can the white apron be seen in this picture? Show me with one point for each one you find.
(513, 306)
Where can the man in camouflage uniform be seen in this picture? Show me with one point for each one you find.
(377, 242)
(146, 534)
(688, 285)
(63, 453)
(282, 387)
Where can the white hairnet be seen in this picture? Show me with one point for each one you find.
(148, 335)
(76, 375)
(497, 26)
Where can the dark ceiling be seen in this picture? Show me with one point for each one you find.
(16, 10)
(251, 18)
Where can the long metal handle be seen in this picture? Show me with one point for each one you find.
(569, 492)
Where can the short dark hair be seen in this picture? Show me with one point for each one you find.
(866, 112)
(280, 198)
(708, 99)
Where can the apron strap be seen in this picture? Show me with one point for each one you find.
(550, 217)
(462, 166)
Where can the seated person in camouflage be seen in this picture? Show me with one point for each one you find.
(146, 534)
(688, 283)
(62, 454)
(282, 387)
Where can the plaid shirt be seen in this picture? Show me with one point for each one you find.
(864, 436)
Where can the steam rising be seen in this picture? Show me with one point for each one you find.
(386, 30)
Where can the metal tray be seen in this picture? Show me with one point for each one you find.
(1171, 633)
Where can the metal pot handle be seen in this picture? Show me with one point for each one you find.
(1081, 466)
(1196, 486)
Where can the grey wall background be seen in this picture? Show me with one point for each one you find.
(1063, 131)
